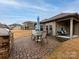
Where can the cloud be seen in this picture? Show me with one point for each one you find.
(42, 6)
(9, 2)
(9, 21)
(11, 15)
(38, 7)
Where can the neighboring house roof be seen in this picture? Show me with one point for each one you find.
(14, 25)
(59, 16)
(28, 22)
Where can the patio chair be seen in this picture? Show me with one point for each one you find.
(62, 32)
(36, 35)
(33, 35)
(44, 36)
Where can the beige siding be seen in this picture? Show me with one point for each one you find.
(28, 26)
(76, 29)
(17, 28)
(53, 27)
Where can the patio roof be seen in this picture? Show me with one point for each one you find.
(60, 16)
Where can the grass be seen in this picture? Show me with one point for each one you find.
(67, 50)
(21, 33)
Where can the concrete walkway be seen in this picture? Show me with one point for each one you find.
(25, 48)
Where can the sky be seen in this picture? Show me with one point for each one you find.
(18, 11)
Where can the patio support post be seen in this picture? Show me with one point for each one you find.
(71, 28)
(54, 28)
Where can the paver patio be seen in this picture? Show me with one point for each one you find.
(25, 48)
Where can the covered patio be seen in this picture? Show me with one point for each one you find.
(70, 27)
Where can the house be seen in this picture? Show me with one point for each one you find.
(67, 21)
(15, 26)
(28, 25)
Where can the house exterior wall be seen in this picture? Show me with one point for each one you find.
(56, 26)
(76, 29)
(28, 26)
(53, 24)
(17, 28)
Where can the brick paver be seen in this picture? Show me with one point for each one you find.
(25, 48)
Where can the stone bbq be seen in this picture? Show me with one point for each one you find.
(4, 43)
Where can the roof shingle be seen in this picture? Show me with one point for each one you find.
(59, 16)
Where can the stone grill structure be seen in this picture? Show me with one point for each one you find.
(4, 44)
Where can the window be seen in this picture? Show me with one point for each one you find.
(47, 28)
(50, 27)
(41, 28)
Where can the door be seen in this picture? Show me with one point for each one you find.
(47, 29)
(50, 29)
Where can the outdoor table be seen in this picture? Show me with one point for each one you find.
(37, 35)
